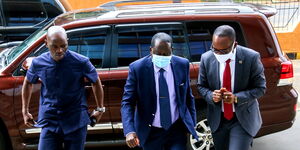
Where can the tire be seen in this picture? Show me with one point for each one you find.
(5, 143)
(203, 131)
(2, 142)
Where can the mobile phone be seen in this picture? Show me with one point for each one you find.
(93, 121)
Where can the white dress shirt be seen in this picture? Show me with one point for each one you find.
(222, 66)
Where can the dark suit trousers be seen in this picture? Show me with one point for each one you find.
(175, 138)
(57, 140)
(231, 136)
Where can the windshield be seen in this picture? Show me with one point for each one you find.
(25, 44)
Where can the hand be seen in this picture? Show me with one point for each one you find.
(217, 96)
(132, 140)
(28, 119)
(223, 90)
(97, 115)
(228, 97)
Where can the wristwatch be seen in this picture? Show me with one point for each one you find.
(100, 109)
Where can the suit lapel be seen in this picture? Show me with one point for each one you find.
(176, 73)
(215, 73)
(150, 72)
(174, 70)
(238, 68)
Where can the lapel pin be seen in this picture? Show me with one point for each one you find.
(240, 61)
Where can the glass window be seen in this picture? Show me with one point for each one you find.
(15, 52)
(89, 42)
(200, 33)
(19, 13)
(134, 40)
(199, 43)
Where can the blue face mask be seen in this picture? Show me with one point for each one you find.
(161, 61)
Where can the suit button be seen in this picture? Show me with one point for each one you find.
(149, 125)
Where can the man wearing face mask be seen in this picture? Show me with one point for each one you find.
(231, 79)
(158, 106)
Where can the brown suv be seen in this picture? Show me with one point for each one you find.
(113, 39)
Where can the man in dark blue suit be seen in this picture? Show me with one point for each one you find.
(158, 108)
(231, 79)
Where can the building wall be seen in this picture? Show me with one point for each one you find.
(81, 4)
(290, 41)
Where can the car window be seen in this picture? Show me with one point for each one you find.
(90, 42)
(199, 42)
(19, 13)
(15, 52)
(133, 41)
(199, 34)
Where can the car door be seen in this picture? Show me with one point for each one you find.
(131, 42)
(90, 42)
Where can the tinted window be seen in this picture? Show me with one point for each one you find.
(86, 41)
(20, 13)
(199, 42)
(89, 42)
(52, 10)
(200, 33)
(134, 40)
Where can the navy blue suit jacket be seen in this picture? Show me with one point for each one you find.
(139, 98)
(249, 85)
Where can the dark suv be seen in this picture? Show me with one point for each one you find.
(113, 39)
(20, 18)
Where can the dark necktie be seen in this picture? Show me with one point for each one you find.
(228, 112)
(164, 102)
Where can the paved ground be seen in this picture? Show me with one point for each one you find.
(284, 140)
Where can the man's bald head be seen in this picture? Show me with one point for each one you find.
(225, 31)
(57, 42)
(223, 40)
(56, 31)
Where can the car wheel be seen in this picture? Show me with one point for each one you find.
(205, 141)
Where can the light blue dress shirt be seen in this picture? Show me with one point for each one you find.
(168, 74)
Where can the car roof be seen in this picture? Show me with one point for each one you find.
(158, 10)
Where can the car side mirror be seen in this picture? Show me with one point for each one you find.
(25, 65)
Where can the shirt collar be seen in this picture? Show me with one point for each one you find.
(234, 55)
(167, 68)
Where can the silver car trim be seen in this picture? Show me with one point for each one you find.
(102, 126)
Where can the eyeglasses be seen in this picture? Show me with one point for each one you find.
(221, 51)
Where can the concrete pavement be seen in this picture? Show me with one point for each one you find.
(284, 140)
